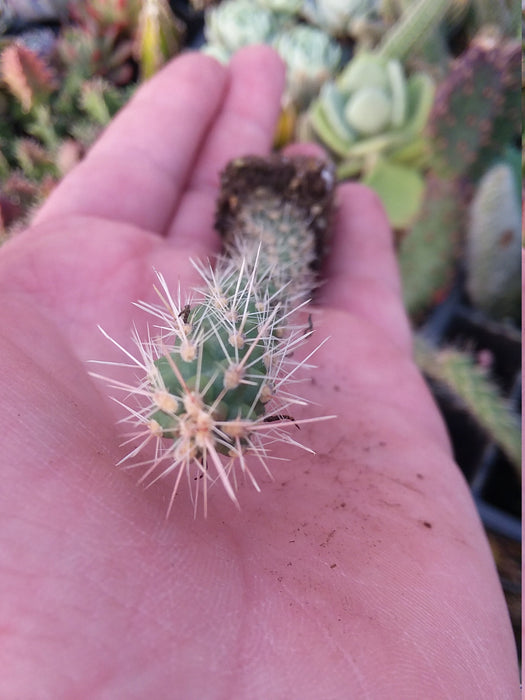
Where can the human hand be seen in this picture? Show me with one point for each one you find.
(362, 571)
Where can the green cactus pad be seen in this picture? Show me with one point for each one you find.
(216, 379)
(468, 113)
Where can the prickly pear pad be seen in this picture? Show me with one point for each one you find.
(217, 372)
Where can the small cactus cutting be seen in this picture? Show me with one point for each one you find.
(218, 374)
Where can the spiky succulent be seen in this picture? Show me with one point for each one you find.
(216, 373)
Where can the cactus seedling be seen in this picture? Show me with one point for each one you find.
(217, 378)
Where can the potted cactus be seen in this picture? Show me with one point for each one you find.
(215, 382)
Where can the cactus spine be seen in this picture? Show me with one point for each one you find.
(217, 381)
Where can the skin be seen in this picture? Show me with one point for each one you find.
(360, 572)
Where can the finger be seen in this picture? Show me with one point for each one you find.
(137, 169)
(245, 125)
(360, 274)
(306, 148)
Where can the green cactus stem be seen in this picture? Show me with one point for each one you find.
(476, 112)
(217, 384)
(469, 383)
(341, 19)
(429, 250)
(418, 20)
(371, 110)
(493, 247)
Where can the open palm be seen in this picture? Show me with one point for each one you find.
(360, 572)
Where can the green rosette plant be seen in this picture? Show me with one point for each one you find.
(237, 23)
(215, 386)
(282, 7)
(372, 117)
(341, 17)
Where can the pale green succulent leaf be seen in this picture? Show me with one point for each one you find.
(421, 90)
(328, 120)
(398, 92)
(369, 111)
(364, 70)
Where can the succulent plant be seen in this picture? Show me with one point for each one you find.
(472, 388)
(158, 38)
(237, 23)
(26, 75)
(429, 250)
(371, 110)
(419, 19)
(339, 17)
(503, 14)
(477, 110)
(311, 59)
(52, 108)
(493, 245)
(215, 384)
(283, 7)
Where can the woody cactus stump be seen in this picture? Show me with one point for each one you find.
(216, 381)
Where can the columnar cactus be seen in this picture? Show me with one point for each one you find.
(493, 247)
(215, 384)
